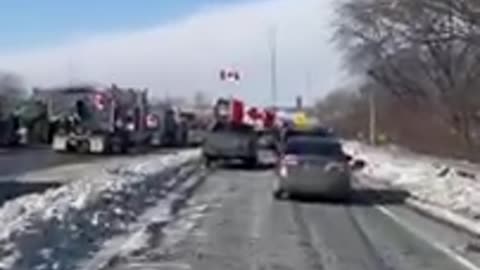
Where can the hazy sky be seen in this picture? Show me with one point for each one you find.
(173, 47)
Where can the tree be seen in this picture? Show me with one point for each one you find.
(12, 92)
(424, 51)
(201, 100)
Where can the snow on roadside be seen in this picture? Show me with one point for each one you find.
(54, 229)
(449, 184)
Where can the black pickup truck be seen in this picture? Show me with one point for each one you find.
(224, 142)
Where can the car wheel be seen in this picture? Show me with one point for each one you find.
(278, 192)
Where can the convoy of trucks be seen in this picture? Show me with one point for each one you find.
(90, 119)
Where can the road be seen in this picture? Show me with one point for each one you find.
(20, 160)
(244, 228)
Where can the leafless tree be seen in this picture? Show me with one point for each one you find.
(201, 100)
(425, 51)
(11, 92)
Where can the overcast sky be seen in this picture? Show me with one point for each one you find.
(184, 55)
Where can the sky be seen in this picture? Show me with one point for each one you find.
(174, 48)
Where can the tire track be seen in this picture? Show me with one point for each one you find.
(305, 236)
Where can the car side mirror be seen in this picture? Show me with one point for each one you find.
(358, 165)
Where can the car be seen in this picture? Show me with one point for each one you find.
(289, 132)
(314, 167)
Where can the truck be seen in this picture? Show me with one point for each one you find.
(89, 119)
(167, 127)
(196, 124)
(233, 135)
(9, 131)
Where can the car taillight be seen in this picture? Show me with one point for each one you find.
(283, 171)
(290, 160)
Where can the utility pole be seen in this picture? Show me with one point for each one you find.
(372, 116)
(70, 71)
(308, 84)
(273, 65)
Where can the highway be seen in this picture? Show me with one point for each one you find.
(244, 228)
(21, 160)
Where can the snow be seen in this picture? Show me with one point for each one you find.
(52, 230)
(444, 183)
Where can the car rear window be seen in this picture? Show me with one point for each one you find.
(313, 147)
(316, 132)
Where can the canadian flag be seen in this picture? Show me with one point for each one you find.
(240, 113)
(229, 75)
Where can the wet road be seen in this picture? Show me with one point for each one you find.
(245, 228)
(22, 160)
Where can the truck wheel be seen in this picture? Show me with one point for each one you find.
(116, 148)
(251, 162)
(83, 148)
(209, 162)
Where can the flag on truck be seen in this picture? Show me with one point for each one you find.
(237, 112)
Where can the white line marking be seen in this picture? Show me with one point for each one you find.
(447, 251)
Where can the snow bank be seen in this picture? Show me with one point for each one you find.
(448, 184)
(54, 229)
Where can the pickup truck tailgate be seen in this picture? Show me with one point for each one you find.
(229, 144)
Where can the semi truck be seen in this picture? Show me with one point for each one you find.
(167, 127)
(89, 119)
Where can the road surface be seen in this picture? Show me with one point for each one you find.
(244, 228)
(21, 160)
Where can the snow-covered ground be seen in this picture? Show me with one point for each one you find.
(56, 229)
(448, 184)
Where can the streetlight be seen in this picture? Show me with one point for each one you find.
(273, 64)
(372, 119)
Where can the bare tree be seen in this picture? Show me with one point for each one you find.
(12, 92)
(425, 51)
(201, 100)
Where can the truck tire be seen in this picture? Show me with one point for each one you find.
(209, 161)
(118, 147)
(251, 162)
(83, 147)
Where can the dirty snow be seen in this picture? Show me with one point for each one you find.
(54, 229)
(449, 184)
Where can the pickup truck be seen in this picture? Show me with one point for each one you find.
(224, 142)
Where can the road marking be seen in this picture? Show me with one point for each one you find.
(439, 246)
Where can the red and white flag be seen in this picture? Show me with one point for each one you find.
(229, 75)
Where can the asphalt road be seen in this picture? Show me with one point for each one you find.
(21, 160)
(245, 228)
